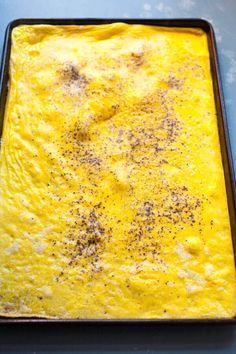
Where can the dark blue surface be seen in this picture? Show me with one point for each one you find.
(140, 339)
(119, 339)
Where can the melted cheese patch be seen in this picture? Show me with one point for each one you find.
(113, 200)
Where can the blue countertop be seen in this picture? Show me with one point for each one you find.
(140, 339)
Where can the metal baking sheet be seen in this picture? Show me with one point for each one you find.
(222, 128)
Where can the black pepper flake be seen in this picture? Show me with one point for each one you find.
(174, 82)
(70, 75)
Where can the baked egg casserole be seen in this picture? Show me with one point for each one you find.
(112, 192)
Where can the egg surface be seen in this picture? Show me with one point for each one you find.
(112, 191)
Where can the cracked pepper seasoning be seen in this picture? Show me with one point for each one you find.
(113, 200)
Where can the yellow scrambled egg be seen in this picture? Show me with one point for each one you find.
(113, 200)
